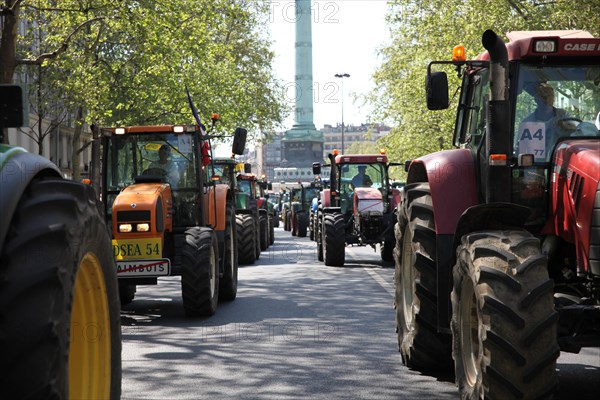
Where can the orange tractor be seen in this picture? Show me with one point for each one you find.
(166, 217)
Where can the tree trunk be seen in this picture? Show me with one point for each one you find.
(75, 147)
(8, 49)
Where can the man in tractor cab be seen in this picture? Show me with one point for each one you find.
(556, 121)
(361, 179)
(167, 165)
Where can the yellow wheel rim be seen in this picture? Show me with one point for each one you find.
(89, 352)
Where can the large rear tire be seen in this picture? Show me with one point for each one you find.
(245, 238)
(334, 240)
(420, 345)
(59, 299)
(228, 284)
(302, 224)
(271, 229)
(263, 223)
(200, 272)
(503, 320)
(319, 237)
(126, 292)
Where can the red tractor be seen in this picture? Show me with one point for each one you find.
(498, 240)
(357, 208)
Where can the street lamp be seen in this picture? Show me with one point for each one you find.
(342, 76)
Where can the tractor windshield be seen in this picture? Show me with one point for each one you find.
(168, 156)
(224, 172)
(554, 102)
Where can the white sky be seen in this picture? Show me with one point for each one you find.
(345, 35)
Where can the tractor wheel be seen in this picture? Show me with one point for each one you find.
(420, 345)
(60, 325)
(294, 223)
(264, 232)
(228, 283)
(302, 224)
(387, 249)
(286, 223)
(319, 237)
(200, 272)
(257, 233)
(271, 230)
(504, 326)
(334, 240)
(126, 293)
(245, 239)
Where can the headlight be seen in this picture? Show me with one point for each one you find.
(143, 227)
(126, 228)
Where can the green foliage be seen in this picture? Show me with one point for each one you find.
(129, 62)
(423, 31)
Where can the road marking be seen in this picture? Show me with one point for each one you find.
(382, 282)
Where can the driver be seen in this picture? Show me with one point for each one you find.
(166, 164)
(361, 179)
(550, 115)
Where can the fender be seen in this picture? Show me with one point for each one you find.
(17, 169)
(216, 213)
(451, 178)
(325, 197)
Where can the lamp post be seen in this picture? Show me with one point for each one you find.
(342, 76)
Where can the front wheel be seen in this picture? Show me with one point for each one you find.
(200, 272)
(504, 326)
(60, 325)
(334, 240)
(228, 284)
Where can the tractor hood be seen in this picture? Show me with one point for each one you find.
(582, 155)
(574, 196)
(143, 202)
(367, 200)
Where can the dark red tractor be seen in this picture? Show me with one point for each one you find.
(357, 208)
(498, 240)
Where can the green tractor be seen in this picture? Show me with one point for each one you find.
(301, 201)
(58, 278)
(248, 216)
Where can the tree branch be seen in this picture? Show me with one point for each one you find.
(61, 49)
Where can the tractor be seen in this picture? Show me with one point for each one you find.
(166, 218)
(498, 240)
(250, 236)
(357, 208)
(266, 208)
(57, 277)
(302, 196)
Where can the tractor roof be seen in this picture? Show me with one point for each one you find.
(152, 129)
(567, 43)
(361, 159)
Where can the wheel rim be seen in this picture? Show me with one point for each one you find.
(407, 277)
(90, 349)
(469, 332)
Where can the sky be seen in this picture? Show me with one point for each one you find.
(345, 36)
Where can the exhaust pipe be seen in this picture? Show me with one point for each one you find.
(498, 178)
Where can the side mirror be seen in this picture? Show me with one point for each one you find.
(247, 168)
(407, 165)
(239, 141)
(14, 106)
(437, 91)
(316, 168)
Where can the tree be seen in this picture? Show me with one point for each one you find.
(127, 63)
(423, 31)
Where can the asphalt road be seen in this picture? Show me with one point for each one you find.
(297, 330)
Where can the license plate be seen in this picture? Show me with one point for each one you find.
(137, 249)
(135, 269)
